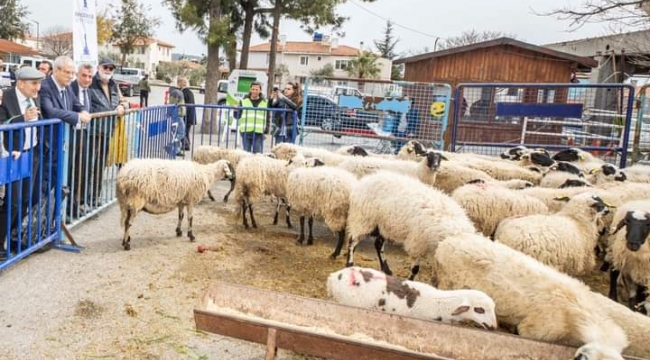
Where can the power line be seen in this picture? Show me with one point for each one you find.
(392, 22)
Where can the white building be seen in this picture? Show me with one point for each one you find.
(302, 57)
(147, 54)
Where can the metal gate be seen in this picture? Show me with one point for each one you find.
(594, 117)
(379, 115)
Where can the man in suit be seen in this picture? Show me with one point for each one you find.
(80, 148)
(21, 104)
(104, 96)
(190, 112)
(58, 101)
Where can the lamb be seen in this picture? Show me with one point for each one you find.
(538, 301)
(260, 175)
(565, 240)
(159, 186)
(372, 289)
(628, 252)
(424, 170)
(488, 204)
(396, 207)
(321, 191)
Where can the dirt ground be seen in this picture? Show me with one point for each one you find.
(107, 303)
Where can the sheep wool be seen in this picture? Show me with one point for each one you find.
(402, 209)
(159, 186)
(372, 289)
(542, 303)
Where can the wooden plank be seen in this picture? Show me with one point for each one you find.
(323, 328)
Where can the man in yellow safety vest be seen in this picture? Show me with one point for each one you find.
(253, 123)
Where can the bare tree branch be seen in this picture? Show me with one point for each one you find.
(633, 13)
(57, 41)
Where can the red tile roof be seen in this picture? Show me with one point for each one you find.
(307, 47)
(10, 47)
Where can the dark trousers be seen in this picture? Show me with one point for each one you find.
(98, 153)
(21, 194)
(252, 142)
(78, 173)
(144, 98)
(188, 135)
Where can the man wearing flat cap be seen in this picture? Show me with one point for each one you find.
(104, 96)
(21, 104)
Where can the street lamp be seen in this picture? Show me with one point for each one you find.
(38, 34)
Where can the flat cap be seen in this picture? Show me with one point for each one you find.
(29, 73)
(106, 61)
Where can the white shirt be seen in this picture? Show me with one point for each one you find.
(80, 96)
(59, 89)
(30, 135)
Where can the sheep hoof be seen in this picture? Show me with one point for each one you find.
(310, 241)
(210, 196)
(225, 199)
(350, 264)
(191, 236)
(127, 246)
(334, 256)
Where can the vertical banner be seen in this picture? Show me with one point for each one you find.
(84, 32)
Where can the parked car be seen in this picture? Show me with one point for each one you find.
(128, 84)
(323, 112)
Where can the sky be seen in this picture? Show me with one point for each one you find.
(417, 22)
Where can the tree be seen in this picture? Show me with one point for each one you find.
(57, 41)
(325, 71)
(132, 26)
(104, 27)
(12, 21)
(632, 13)
(364, 66)
(472, 37)
(386, 48)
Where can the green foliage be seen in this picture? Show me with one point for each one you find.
(13, 20)
(364, 66)
(325, 71)
(132, 24)
(386, 46)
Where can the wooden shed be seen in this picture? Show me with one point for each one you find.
(502, 60)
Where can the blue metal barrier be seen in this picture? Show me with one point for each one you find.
(495, 116)
(30, 215)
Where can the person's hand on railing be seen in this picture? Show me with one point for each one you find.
(31, 113)
(85, 117)
(120, 110)
(15, 154)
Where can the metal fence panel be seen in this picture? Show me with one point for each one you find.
(378, 115)
(640, 153)
(594, 117)
(30, 215)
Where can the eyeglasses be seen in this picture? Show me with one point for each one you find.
(108, 67)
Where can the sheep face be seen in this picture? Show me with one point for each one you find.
(573, 183)
(571, 155)
(478, 308)
(356, 150)
(433, 160)
(514, 154)
(595, 351)
(538, 158)
(414, 146)
(638, 228)
(566, 167)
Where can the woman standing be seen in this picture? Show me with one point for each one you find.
(291, 99)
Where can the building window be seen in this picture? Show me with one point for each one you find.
(341, 64)
(319, 58)
(140, 50)
(304, 60)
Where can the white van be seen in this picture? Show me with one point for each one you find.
(129, 72)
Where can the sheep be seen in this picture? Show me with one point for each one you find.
(580, 158)
(206, 154)
(356, 150)
(396, 207)
(323, 191)
(565, 240)
(605, 173)
(628, 252)
(425, 171)
(638, 173)
(260, 175)
(158, 186)
(540, 302)
(286, 151)
(451, 175)
(372, 289)
(488, 204)
(548, 195)
(538, 157)
(514, 184)
(556, 179)
(500, 170)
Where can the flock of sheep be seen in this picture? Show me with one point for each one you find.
(516, 229)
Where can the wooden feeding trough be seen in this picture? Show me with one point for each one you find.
(333, 331)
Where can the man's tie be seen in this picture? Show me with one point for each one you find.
(86, 104)
(64, 100)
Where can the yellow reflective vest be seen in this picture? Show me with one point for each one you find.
(253, 120)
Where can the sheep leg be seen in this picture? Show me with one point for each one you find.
(126, 240)
(179, 232)
(277, 212)
(339, 244)
(351, 246)
(243, 214)
(613, 282)
(210, 195)
(190, 220)
(288, 219)
(232, 187)
(310, 239)
(415, 269)
(301, 237)
(250, 210)
(380, 242)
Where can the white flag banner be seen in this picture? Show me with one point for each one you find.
(84, 32)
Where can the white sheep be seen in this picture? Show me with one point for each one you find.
(372, 289)
(605, 173)
(158, 186)
(261, 175)
(638, 173)
(502, 169)
(321, 191)
(548, 195)
(424, 170)
(578, 157)
(629, 251)
(538, 301)
(565, 240)
(286, 151)
(395, 207)
(487, 204)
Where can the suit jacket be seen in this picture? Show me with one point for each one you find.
(190, 113)
(75, 89)
(11, 109)
(100, 103)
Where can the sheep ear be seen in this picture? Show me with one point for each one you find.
(442, 157)
(621, 224)
(561, 198)
(461, 309)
